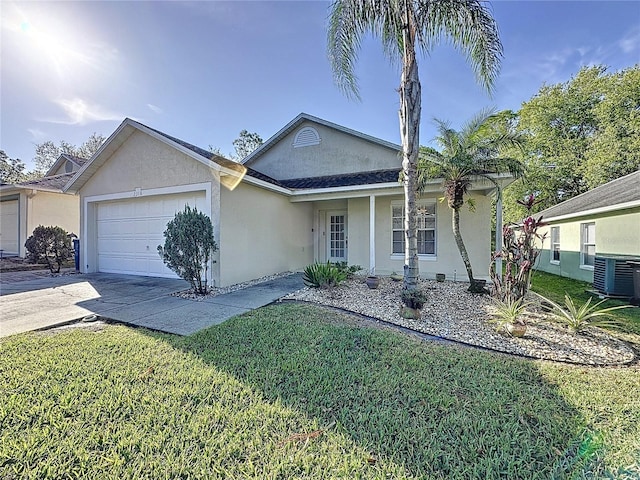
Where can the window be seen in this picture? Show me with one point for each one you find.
(306, 137)
(426, 223)
(587, 245)
(555, 245)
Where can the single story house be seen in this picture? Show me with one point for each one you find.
(26, 205)
(314, 191)
(601, 223)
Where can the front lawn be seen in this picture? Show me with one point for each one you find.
(293, 391)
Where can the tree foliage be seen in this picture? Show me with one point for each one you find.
(477, 150)
(580, 134)
(246, 143)
(406, 28)
(12, 170)
(188, 247)
(50, 245)
(48, 152)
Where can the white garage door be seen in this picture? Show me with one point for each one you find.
(9, 222)
(129, 232)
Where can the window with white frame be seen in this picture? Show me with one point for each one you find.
(426, 224)
(587, 244)
(555, 245)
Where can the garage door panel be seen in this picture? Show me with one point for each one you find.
(9, 222)
(130, 231)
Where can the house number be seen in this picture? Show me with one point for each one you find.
(137, 192)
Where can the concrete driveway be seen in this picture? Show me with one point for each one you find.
(141, 301)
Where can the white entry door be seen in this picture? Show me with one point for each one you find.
(129, 232)
(337, 240)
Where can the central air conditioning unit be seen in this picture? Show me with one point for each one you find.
(613, 276)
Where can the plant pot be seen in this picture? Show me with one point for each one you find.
(516, 329)
(440, 277)
(410, 313)
(372, 282)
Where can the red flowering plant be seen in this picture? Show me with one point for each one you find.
(519, 255)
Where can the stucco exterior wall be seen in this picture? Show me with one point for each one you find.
(475, 227)
(262, 233)
(142, 166)
(617, 233)
(37, 207)
(337, 153)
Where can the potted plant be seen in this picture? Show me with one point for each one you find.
(413, 300)
(508, 316)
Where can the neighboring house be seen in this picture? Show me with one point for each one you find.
(26, 205)
(603, 222)
(315, 191)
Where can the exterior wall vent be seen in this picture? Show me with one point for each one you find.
(68, 166)
(613, 276)
(306, 137)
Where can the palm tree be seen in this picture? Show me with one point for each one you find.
(403, 25)
(478, 150)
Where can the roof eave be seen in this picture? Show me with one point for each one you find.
(593, 211)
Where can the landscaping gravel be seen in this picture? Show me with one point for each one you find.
(451, 312)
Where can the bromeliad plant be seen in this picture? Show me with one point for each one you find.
(577, 319)
(519, 255)
(323, 275)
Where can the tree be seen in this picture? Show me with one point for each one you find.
(475, 151)
(246, 143)
(48, 152)
(580, 134)
(11, 169)
(188, 247)
(403, 26)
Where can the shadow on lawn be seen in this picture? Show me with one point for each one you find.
(438, 410)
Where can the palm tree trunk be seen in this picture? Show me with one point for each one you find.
(458, 237)
(409, 113)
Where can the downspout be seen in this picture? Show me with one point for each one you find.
(499, 230)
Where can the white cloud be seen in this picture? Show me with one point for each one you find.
(631, 42)
(154, 108)
(81, 112)
(37, 134)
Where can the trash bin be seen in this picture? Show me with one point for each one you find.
(76, 251)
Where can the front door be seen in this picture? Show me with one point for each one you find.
(337, 239)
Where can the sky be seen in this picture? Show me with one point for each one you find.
(203, 71)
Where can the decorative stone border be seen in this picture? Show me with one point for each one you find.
(452, 313)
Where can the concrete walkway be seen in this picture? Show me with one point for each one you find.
(142, 301)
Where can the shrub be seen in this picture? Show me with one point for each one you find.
(414, 298)
(188, 247)
(579, 318)
(519, 254)
(350, 270)
(323, 275)
(49, 245)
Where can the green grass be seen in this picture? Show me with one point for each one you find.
(555, 287)
(295, 391)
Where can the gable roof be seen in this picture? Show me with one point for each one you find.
(63, 158)
(623, 192)
(305, 117)
(129, 126)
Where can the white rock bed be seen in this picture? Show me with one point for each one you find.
(215, 291)
(455, 314)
